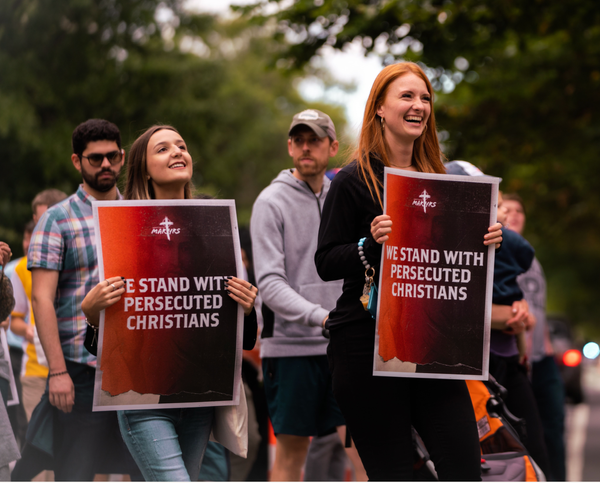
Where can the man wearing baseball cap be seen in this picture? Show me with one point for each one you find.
(296, 302)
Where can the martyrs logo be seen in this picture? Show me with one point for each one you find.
(423, 201)
(167, 230)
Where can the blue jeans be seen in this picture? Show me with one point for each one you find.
(167, 444)
(215, 465)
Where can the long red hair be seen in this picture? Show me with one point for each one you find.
(427, 156)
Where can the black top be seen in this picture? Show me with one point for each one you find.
(347, 215)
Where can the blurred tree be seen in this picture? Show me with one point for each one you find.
(137, 63)
(518, 86)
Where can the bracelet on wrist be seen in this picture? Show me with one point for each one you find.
(57, 374)
(361, 253)
(92, 326)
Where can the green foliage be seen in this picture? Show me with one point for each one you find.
(131, 62)
(518, 86)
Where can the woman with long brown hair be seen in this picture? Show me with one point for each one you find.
(398, 131)
(167, 444)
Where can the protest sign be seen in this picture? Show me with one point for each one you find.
(175, 337)
(436, 276)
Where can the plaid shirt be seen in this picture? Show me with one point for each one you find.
(64, 240)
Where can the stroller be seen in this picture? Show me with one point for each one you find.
(503, 455)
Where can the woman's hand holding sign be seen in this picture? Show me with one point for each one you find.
(381, 227)
(494, 236)
(244, 293)
(108, 292)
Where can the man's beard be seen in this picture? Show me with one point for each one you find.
(96, 183)
(310, 170)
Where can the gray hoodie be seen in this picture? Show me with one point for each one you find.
(284, 228)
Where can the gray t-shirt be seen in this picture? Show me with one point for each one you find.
(533, 285)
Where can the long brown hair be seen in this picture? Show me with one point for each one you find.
(426, 154)
(138, 186)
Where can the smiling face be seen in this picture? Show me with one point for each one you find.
(405, 109)
(168, 162)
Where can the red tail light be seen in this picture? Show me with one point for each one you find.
(572, 358)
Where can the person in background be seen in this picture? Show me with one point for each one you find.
(33, 374)
(326, 459)
(511, 318)
(44, 200)
(296, 302)
(16, 412)
(507, 363)
(17, 343)
(64, 267)
(546, 381)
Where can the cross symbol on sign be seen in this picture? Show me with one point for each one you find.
(425, 196)
(167, 223)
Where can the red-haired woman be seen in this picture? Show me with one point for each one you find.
(398, 131)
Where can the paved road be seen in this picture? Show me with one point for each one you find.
(583, 431)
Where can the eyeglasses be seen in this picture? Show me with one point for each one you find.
(96, 159)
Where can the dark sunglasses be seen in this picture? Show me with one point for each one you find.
(96, 159)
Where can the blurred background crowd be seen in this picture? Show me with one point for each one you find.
(517, 89)
(523, 78)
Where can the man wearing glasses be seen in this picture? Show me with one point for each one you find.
(64, 266)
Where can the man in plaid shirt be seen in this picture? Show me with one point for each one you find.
(64, 266)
